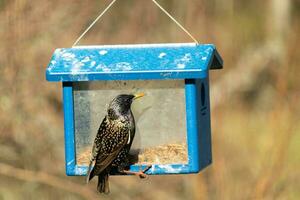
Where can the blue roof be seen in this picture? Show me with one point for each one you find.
(133, 62)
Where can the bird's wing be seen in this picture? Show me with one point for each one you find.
(98, 139)
(97, 145)
(106, 147)
(105, 158)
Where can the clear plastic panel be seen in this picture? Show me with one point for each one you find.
(160, 117)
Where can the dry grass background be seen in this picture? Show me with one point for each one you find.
(255, 99)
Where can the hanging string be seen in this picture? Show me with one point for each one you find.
(176, 22)
(155, 2)
(93, 23)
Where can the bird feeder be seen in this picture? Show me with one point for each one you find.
(173, 119)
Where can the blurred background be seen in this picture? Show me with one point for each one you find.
(254, 99)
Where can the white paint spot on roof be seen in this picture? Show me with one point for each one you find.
(123, 66)
(182, 62)
(93, 63)
(102, 52)
(180, 65)
(68, 56)
(187, 57)
(161, 55)
(106, 69)
(102, 67)
(209, 49)
(86, 59)
(52, 63)
(76, 67)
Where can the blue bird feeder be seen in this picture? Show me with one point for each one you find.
(173, 120)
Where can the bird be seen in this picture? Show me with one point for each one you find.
(113, 141)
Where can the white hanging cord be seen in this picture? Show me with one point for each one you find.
(154, 1)
(174, 20)
(93, 23)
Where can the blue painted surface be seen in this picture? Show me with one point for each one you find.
(192, 128)
(203, 122)
(198, 138)
(166, 61)
(69, 128)
(154, 170)
(133, 62)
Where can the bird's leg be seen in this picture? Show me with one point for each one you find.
(140, 174)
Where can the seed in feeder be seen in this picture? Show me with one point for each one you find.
(175, 153)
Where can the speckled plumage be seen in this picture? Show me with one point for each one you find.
(113, 141)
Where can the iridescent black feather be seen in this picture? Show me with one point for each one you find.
(113, 141)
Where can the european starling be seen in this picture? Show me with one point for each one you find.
(113, 141)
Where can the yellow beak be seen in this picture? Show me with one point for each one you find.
(139, 95)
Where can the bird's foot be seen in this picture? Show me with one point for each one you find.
(142, 174)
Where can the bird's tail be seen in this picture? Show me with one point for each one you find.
(103, 184)
(90, 173)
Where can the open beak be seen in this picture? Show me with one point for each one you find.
(138, 95)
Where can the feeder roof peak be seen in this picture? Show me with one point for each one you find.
(133, 62)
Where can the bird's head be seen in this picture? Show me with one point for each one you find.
(121, 104)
